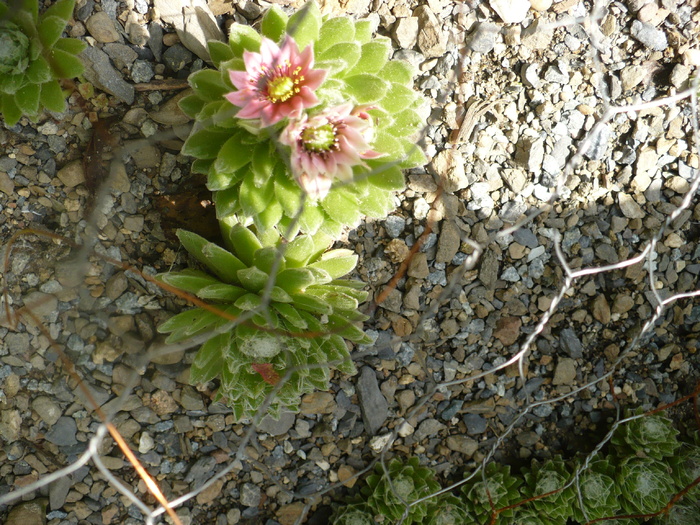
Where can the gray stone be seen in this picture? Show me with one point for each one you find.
(195, 24)
(565, 372)
(536, 36)
(141, 72)
(250, 495)
(483, 38)
(100, 72)
(629, 206)
(476, 424)
(102, 28)
(177, 57)
(28, 513)
(431, 40)
(488, 274)
(649, 36)
(429, 428)
(394, 225)
(63, 433)
(525, 237)
(58, 491)
(462, 444)
(48, 410)
(405, 32)
(72, 174)
(570, 343)
(155, 40)
(374, 407)
(448, 242)
(277, 427)
(599, 143)
(200, 471)
(122, 55)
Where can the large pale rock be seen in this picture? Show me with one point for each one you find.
(194, 23)
(511, 11)
(431, 40)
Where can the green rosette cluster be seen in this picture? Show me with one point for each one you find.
(542, 478)
(409, 482)
(448, 510)
(33, 56)
(645, 484)
(248, 168)
(503, 489)
(357, 514)
(287, 313)
(600, 492)
(652, 435)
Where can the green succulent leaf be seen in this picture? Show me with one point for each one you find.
(191, 281)
(341, 57)
(205, 143)
(274, 23)
(39, 71)
(341, 206)
(253, 279)
(191, 105)
(71, 45)
(334, 31)
(244, 242)
(366, 88)
(10, 110)
(52, 97)
(364, 30)
(27, 99)
(62, 9)
(255, 199)
(374, 56)
(243, 38)
(337, 263)
(398, 71)
(219, 52)
(294, 280)
(66, 65)
(209, 360)
(305, 24)
(50, 29)
(208, 84)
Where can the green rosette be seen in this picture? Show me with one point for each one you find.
(286, 311)
(249, 169)
(503, 489)
(33, 57)
(409, 482)
(543, 478)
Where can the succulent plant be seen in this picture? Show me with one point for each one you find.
(286, 309)
(527, 515)
(682, 513)
(447, 510)
(542, 478)
(503, 490)
(357, 514)
(297, 110)
(645, 484)
(409, 482)
(599, 491)
(653, 435)
(33, 56)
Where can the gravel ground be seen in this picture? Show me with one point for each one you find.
(532, 94)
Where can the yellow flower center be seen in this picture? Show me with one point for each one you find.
(320, 138)
(280, 89)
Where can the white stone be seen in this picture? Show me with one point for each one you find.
(511, 11)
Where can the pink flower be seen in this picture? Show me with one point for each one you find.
(278, 82)
(327, 146)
